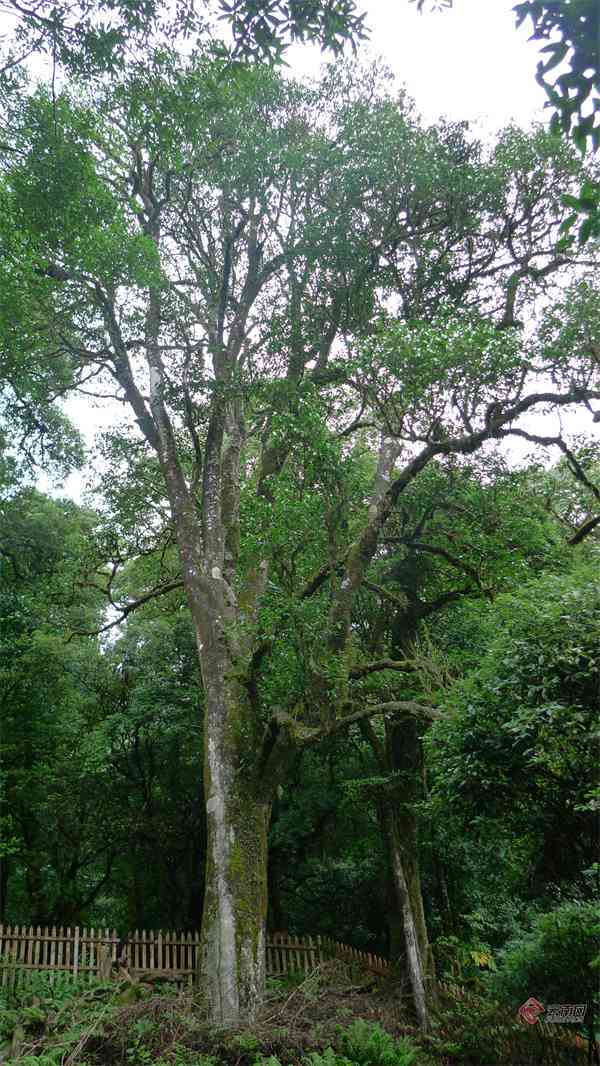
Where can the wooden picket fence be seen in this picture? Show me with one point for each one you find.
(83, 953)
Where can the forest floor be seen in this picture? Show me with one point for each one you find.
(333, 1017)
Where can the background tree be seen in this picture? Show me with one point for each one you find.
(153, 751)
(512, 793)
(55, 857)
(101, 793)
(325, 845)
(542, 783)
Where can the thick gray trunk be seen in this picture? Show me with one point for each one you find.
(232, 964)
(231, 968)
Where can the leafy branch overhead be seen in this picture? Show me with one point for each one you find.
(571, 29)
(262, 29)
(95, 36)
(573, 33)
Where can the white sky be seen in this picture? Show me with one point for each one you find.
(465, 63)
(468, 62)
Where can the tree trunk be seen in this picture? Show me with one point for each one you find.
(395, 821)
(406, 890)
(237, 794)
(238, 798)
(404, 752)
(232, 964)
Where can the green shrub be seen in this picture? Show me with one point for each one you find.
(246, 1041)
(555, 960)
(463, 962)
(8, 1020)
(47, 1058)
(367, 1044)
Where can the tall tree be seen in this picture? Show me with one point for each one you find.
(214, 248)
(462, 532)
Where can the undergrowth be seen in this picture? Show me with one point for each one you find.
(317, 1022)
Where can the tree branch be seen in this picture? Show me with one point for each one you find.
(458, 564)
(320, 578)
(584, 530)
(300, 734)
(396, 599)
(126, 610)
(380, 664)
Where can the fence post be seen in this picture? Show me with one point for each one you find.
(61, 948)
(12, 973)
(3, 946)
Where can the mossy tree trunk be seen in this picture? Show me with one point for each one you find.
(399, 829)
(232, 956)
(397, 946)
(238, 798)
(404, 753)
(413, 929)
(232, 963)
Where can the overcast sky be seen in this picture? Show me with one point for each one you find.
(465, 63)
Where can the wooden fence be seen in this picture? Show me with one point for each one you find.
(87, 953)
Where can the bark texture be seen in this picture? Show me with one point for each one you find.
(235, 903)
(414, 931)
(405, 758)
(398, 825)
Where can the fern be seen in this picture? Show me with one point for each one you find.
(262, 1060)
(367, 1044)
(326, 1058)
